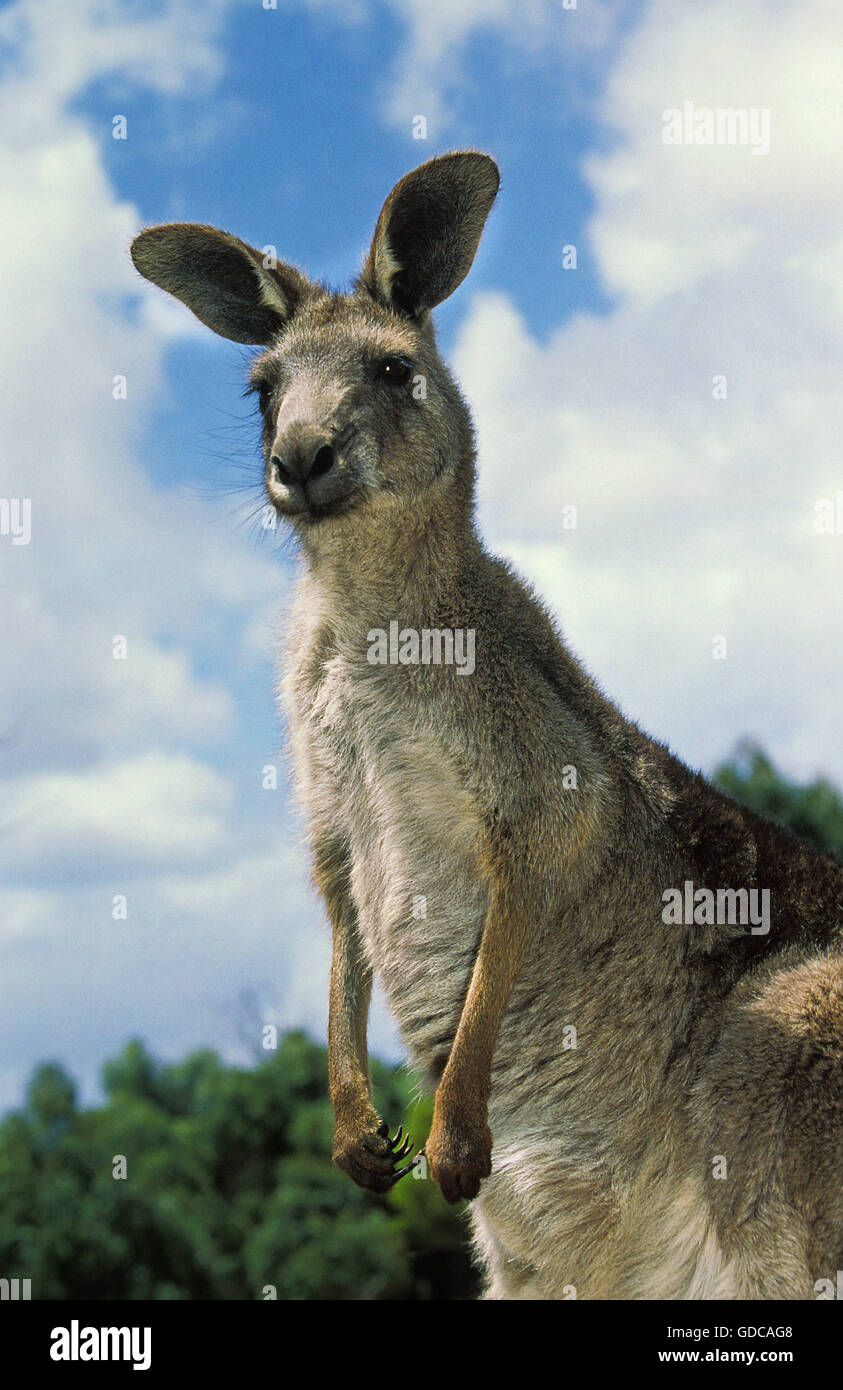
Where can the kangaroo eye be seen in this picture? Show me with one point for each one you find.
(395, 371)
(264, 390)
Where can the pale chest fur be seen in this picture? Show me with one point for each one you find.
(373, 765)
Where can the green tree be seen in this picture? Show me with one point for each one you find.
(228, 1187)
(813, 811)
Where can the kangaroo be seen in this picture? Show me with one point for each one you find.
(638, 1087)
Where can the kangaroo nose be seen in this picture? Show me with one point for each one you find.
(301, 458)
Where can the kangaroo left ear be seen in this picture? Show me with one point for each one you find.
(222, 279)
(428, 231)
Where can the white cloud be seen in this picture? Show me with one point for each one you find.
(695, 515)
(671, 215)
(125, 817)
(172, 971)
(61, 48)
(429, 72)
(24, 915)
(66, 699)
(110, 553)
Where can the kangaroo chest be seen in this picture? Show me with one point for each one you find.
(371, 766)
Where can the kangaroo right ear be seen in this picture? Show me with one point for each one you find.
(222, 279)
(429, 229)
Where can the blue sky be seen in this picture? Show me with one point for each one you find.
(696, 516)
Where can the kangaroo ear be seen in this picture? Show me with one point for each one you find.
(224, 281)
(429, 229)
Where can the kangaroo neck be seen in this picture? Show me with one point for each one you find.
(398, 562)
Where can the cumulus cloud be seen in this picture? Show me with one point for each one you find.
(123, 818)
(173, 969)
(669, 216)
(110, 553)
(695, 513)
(428, 77)
(58, 49)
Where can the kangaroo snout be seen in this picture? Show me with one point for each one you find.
(301, 455)
(303, 475)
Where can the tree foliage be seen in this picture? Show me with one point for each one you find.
(228, 1189)
(813, 811)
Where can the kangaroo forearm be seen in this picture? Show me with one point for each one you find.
(467, 1076)
(459, 1148)
(362, 1147)
(470, 1063)
(350, 993)
(351, 981)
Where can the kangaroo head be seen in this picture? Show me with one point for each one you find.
(359, 410)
